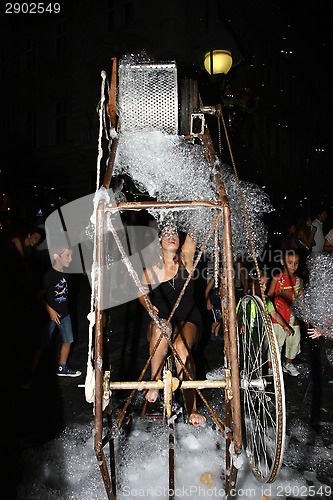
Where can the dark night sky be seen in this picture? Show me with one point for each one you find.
(300, 28)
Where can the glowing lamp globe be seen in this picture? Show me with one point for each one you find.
(217, 61)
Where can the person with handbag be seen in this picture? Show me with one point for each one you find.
(305, 234)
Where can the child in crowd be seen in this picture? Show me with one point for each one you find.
(258, 288)
(54, 298)
(284, 288)
(275, 315)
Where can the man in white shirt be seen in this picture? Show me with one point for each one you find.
(319, 237)
(328, 245)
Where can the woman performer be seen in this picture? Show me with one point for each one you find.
(164, 282)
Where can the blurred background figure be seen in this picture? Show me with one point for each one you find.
(289, 238)
(319, 237)
(328, 243)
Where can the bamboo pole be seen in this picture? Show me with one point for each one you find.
(185, 384)
(144, 205)
(111, 109)
(98, 357)
(229, 292)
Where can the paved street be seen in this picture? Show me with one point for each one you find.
(38, 415)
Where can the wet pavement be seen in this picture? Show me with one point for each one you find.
(40, 414)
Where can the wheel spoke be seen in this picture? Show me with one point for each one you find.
(262, 395)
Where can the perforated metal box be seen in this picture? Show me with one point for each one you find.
(148, 97)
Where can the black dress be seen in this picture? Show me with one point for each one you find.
(165, 295)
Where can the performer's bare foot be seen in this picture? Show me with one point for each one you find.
(152, 395)
(197, 419)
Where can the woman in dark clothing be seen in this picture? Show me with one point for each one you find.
(164, 282)
(289, 239)
(21, 276)
(305, 233)
(24, 243)
(21, 261)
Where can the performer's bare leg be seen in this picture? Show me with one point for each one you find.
(185, 338)
(158, 359)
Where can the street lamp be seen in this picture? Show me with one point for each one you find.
(217, 61)
(218, 49)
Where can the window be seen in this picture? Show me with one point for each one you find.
(30, 52)
(129, 10)
(61, 38)
(61, 122)
(4, 66)
(111, 15)
(5, 127)
(31, 128)
(120, 14)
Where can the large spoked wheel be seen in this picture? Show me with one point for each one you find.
(262, 390)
